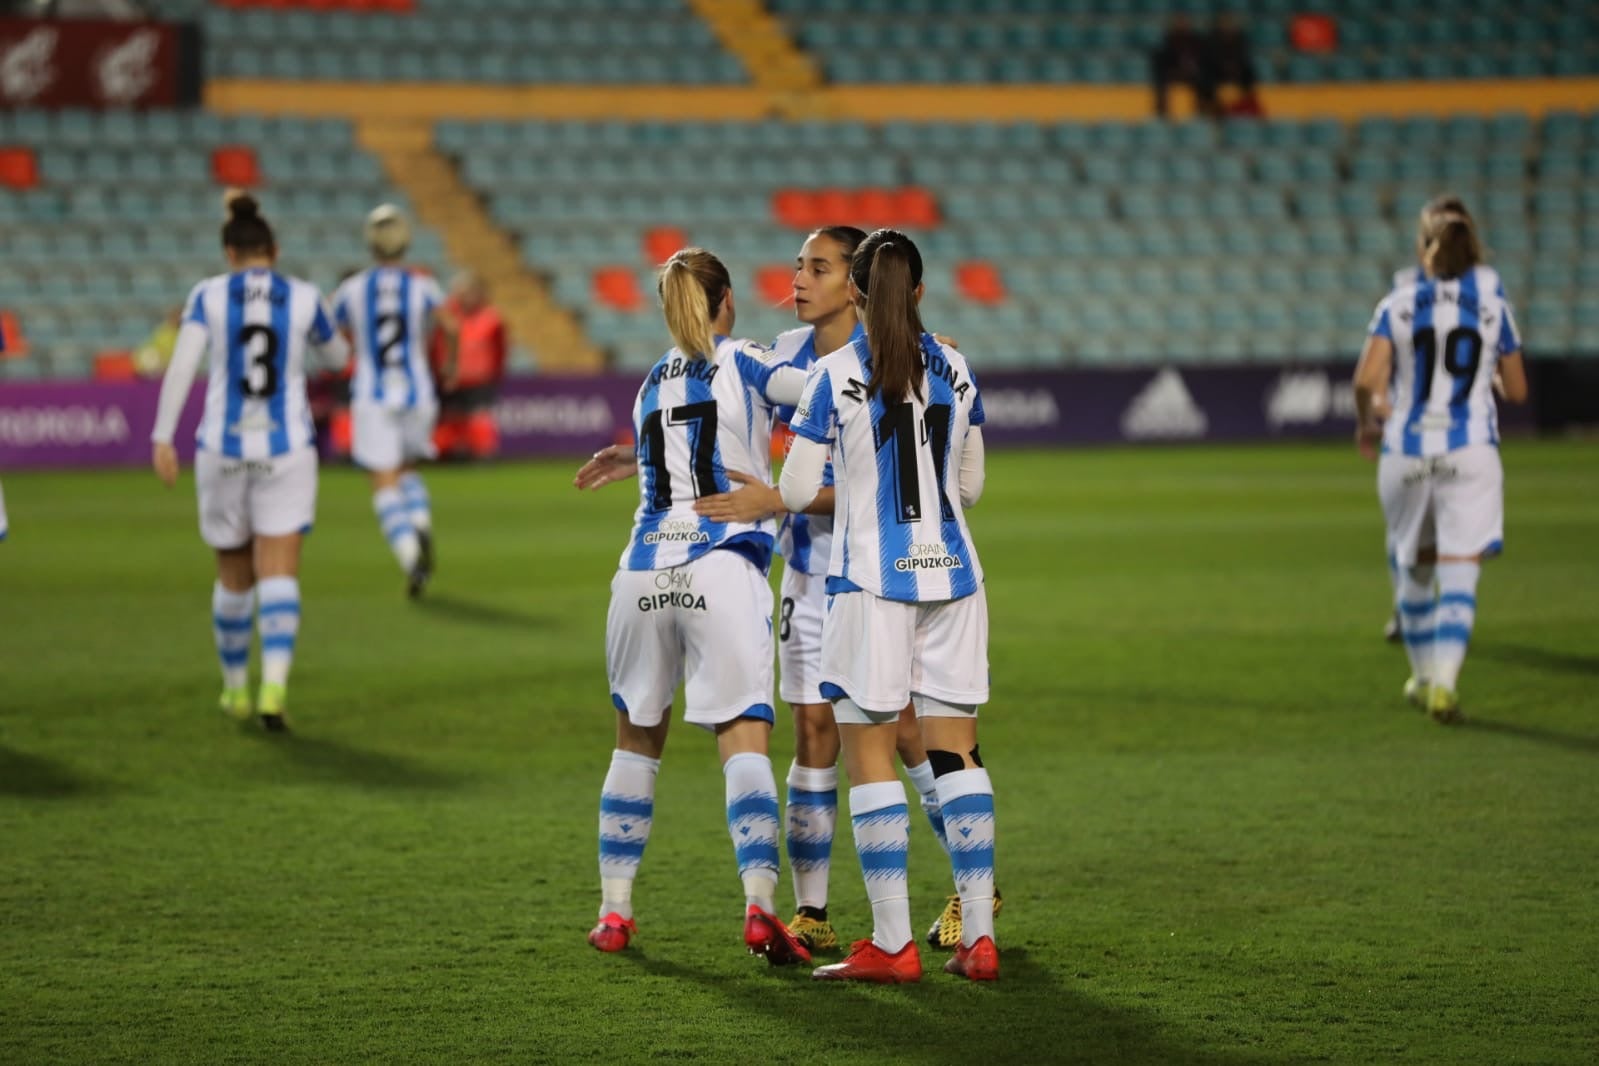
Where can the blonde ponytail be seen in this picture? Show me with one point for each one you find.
(692, 285)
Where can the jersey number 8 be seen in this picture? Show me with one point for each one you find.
(260, 344)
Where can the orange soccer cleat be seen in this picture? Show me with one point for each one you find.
(868, 962)
(765, 934)
(980, 962)
(613, 932)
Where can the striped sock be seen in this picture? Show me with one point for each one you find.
(1457, 614)
(394, 516)
(417, 501)
(231, 625)
(968, 799)
(809, 823)
(627, 811)
(279, 622)
(925, 784)
(1417, 605)
(752, 823)
(882, 823)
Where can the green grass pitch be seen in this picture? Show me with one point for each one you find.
(1222, 836)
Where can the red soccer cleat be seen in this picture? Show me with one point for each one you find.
(765, 934)
(980, 962)
(613, 932)
(868, 962)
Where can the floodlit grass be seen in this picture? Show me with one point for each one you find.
(1222, 836)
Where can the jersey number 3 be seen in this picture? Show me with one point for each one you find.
(700, 418)
(260, 344)
(896, 431)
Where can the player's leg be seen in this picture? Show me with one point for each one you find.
(643, 665)
(1404, 489)
(1392, 630)
(419, 445)
(950, 680)
(232, 626)
(866, 662)
(379, 449)
(282, 510)
(1470, 517)
(221, 488)
(811, 814)
(4, 525)
(724, 611)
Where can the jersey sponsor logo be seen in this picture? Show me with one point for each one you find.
(681, 367)
(1164, 409)
(247, 466)
(1020, 408)
(927, 557)
(1308, 398)
(26, 427)
(678, 530)
(661, 600)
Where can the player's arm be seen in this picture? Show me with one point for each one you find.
(1510, 378)
(754, 500)
(1371, 387)
(803, 471)
(448, 324)
(614, 462)
(973, 470)
(175, 386)
(329, 344)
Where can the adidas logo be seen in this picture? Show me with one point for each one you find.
(1164, 409)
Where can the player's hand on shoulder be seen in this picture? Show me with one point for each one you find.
(615, 462)
(948, 342)
(752, 501)
(164, 460)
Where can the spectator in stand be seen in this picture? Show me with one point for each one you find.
(150, 359)
(1231, 64)
(471, 385)
(1181, 58)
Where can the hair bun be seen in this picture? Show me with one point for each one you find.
(243, 206)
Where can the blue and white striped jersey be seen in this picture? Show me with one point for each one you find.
(1447, 335)
(694, 420)
(258, 323)
(1415, 275)
(805, 540)
(389, 313)
(901, 530)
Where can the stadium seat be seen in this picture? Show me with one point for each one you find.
(19, 168)
(617, 287)
(980, 283)
(662, 242)
(235, 165)
(775, 283)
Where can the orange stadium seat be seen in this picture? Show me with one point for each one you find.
(794, 207)
(617, 287)
(19, 168)
(834, 206)
(979, 282)
(660, 242)
(775, 284)
(1313, 34)
(916, 207)
(875, 208)
(114, 366)
(235, 164)
(15, 343)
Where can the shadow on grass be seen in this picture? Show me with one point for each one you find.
(331, 760)
(470, 612)
(34, 776)
(1554, 738)
(1538, 658)
(1027, 1017)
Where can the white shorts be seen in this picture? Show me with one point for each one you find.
(879, 652)
(245, 498)
(387, 438)
(706, 624)
(1453, 502)
(799, 636)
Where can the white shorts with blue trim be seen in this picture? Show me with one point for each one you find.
(880, 652)
(245, 498)
(387, 438)
(706, 624)
(1453, 502)
(801, 605)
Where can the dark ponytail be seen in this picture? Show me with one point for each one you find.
(1454, 248)
(886, 270)
(246, 232)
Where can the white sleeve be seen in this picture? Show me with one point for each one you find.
(186, 356)
(785, 385)
(972, 472)
(802, 474)
(334, 353)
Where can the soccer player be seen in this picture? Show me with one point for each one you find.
(822, 301)
(907, 618)
(390, 312)
(690, 602)
(256, 464)
(1446, 342)
(1415, 275)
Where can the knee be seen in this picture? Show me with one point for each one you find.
(949, 762)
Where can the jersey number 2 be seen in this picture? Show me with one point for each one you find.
(701, 420)
(260, 344)
(896, 431)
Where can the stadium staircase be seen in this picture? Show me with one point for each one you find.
(445, 203)
(761, 42)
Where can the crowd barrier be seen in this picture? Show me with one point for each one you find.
(93, 424)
